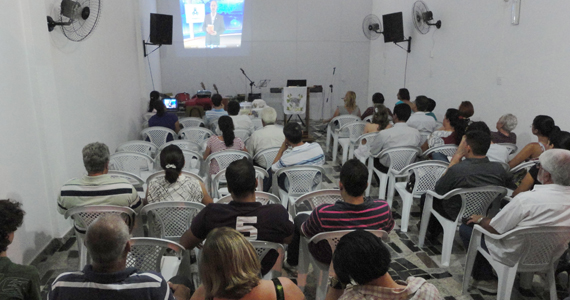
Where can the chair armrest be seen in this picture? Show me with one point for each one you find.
(487, 234)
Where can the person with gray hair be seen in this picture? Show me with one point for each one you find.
(269, 136)
(107, 241)
(506, 124)
(546, 205)
(98, 187)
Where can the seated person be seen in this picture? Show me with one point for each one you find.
(16, 281)
(506, 124)
(154, 95)
(175, 186)
(354, 212)
(466, 110)
(270, 136)
(363, 258)
(380, 119)
(547, 205)
(430, 109)
(226, 141)
(377, 98)
(419, 120)
(240, 121)
(557, 140)
(164, 119)
(450, 134)
(256, 221)
(474, 171)
(107, 241)
(349, 107)
(496, 152)
(229, 269)
(399, 135)
(98, 187)
(542, 126)
(404, 97)
(211, 116)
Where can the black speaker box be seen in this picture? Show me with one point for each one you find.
(160, 29)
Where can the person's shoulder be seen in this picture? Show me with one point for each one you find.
(23, 271)
(422, 289)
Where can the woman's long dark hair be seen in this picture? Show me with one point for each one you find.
(159, 106)
(226, 125)
(544, 125)
(172, 162)
(458, 123)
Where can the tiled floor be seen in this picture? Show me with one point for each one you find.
(408, 258)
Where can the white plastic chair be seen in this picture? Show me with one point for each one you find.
(135, 180)
(131, 162)
(424, 135)
(148, 115)
(262, 248)
(243, 134)
(142, 147)
(368, 119)
(299, 181)
(193, 162)
(398, 157)
(83, 216)
(262, 197)
(346, 136)
(158, 135)
(160, 174)
(153, 255)
(191, 122)
(171, 219)
(220, 177)
(198, 135)
(427, 173)
(224, 159)
(266, 157)
(309, 201)
(336, 123)
(525, 165)
(368, 138)
(475, 201)
(541, 247)
(447, 150)
(323, 270)
(183, 145)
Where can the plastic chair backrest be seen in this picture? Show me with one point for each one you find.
(191, 122)
(512, 147)
(312, 200)
(83, 216)
(262, 248)
(368, 137)
(353, 130)
(542, 246)
(146, 253)
(142, 147)
(183, 145)
(447, 150)
(192, 161)
(148, 115)
(333, 237)
(339, 121)
(262, 197)
(243, 134)
(525, 165)
(476, 201)
(400, 157)
(169, 220)
(131, 162)
(226, 157)
(158, 134)
(427, 174)
(198, 135)
(302, 179)
(267, 157)
(160, 174)
(135, 180)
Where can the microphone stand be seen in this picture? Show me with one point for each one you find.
(251, 83)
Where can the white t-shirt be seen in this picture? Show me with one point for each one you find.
(422, 122)
(545, 205)
(498, 153)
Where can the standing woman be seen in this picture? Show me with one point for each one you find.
(349, 108)
(542, 126)
(227, 141)
(175, 186)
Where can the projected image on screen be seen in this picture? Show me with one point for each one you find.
(212, 24)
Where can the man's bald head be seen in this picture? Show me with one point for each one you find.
(106, 239)
(557, 163)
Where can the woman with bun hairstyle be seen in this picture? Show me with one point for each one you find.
(175, 186)
(542, 126)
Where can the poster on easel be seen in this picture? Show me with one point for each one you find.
(294, 100)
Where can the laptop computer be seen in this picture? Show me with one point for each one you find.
(171, 104)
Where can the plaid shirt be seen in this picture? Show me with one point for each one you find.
(416, 289)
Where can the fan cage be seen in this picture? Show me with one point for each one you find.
(419, 12)
(80, 29)
(370, 26)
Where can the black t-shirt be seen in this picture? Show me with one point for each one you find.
(255, 221)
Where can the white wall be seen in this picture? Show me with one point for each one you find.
(59, 96)
(475, 48)
(286, 40)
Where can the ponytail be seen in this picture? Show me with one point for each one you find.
(226, 125)
(172, 161)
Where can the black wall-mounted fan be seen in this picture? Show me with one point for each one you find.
(422, 17)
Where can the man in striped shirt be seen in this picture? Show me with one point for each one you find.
(107, 241)
(98, 187)
(355, 212)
